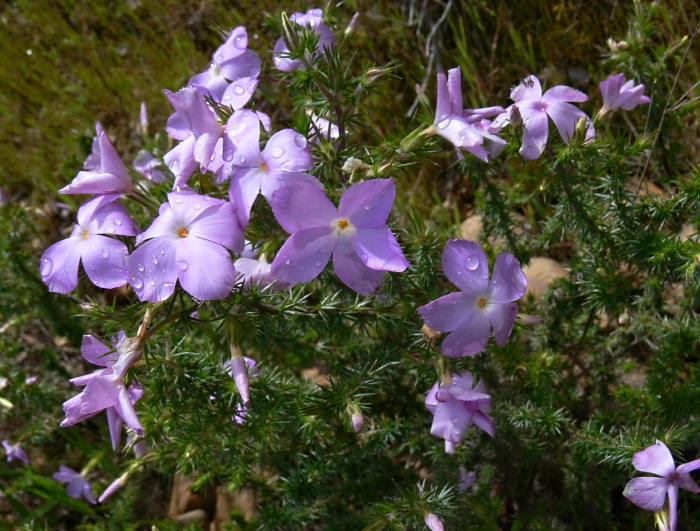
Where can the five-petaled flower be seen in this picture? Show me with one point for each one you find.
(618, 94)
(14, 451)
(456, 405)
(77, 485)
(312, 21)
(470, 315)
(650, 492)
(355, 234)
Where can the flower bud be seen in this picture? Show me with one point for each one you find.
(289, 34)
(353, 24)
(240, 377)
(433, 522)
(358, 422)
(113, 487)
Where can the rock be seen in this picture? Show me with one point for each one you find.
(540, 273)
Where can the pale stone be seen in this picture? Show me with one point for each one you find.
(540, 273)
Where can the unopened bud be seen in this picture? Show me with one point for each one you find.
(353, 24)
(289, 34)
(353, 164)
(433, 522)
(623, 318)
(526, 319)
(113, 487)
(144, 116)
(240, 377)
(358, 422)
(515, 118)
(580, 132)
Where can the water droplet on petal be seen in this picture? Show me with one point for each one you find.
(154, 259)
(175, 167)
(109, 230)
(117, 222)
(197, 206)
(241, 159)
(182, 265)
(164, 290)
(438, 408)
(300, 141)
(240, 42)
(105, 254)
(278, 152)
(207, 198)
(227, 97)
(462, 136)
(456, 432)
(219, 58)
(454, 420)
(238, 90)
(287, 261)
(140, 267)
(364, 257)
(152, 283)
(178, 200)
(136, 282)
(444, 124)
(471, 263)
(318, 263)
(46, 267)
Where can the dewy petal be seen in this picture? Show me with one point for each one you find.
(469, 339)
(502, 317)
(378, 249)
(59, 265)
(204, 269)
(242, 139)
(152, 269)
(235, 44)
(444, 106)
(104, 261)
(465, 265)
(304, 255)
(128, 413)
(274, 180)
(565, 116)
(508, 282)
(454, 86)
(164, 225)
(188, 207)
(303, 206)
(484, 422)
(218, 224)
(535, 133)
(528, 89)
(451, 420)
(246, 65)
(114, 421)
(655, 459)
(88, 209)
(368, 203)
(447, 313)
(112, 218)
(564, 93)
(181, 162)
(288, 150)
(245, 187)
(355, 274)
(648, 492)
(238, 93)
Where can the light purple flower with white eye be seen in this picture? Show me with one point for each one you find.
(325, 128)
(355, 233)
(650, 492)
(456, 124)
(106, 173)
(311, 20)
(103, 258)
(148, 165)
(188, 242)
(254, 270)
(533, 108)
(469, 315)
(456, 405)
(618, 94)
(14, 451)
(230, 62)
(104, 390)
(77, 484)
(282, 162)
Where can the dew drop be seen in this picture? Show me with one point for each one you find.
(109, 230)
(197, 206)
(207, 198)
(300, 141)
(154, 259)
(318, 263)
(438, 409)
(162, 252)
(175, 166)
(317, 12)
(46, 267)
(164, 290)
(240, 42)
(117, 222)
(140, 267)
(182, 265)
(241, 159)
(227, 97)
(462, 136)
(444, 124)
(278, 152)
(287, 261)
(455, 432)
(152, 283)
(238, 90)
(219, 58)
(471, 263)
(136, 282)
(364, 257)
(105, 254)
(178, 200)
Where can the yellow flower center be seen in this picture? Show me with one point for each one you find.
(183, 232)
(263, 166)
(86, 235)
(481, 302)
(343, 223)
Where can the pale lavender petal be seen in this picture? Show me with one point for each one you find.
(93, 160)
(164, 225)
(206, 279)
(303, 206)
(474, 116)
(75, 487)
(463, 379)
(656, 459)
(246, 65)
(288, 150)
(672, 506)
(368, 203)
(431, 398)
(565, 116)
(181, 162)
(502, 317)
(198, 116)
(378, 249)
(238, 93)
(65, 474)
(94, 350)
(484, 422)
(528, 89)
(451, 420)
(245, 187)
(630, 99)
(210, 82)
(648, 493)
(454, 86)
(564, 93)
(235, 44)
(177, 127)
(112, 219)
(355, 274)
(508, 282)
(59, 265)
(204, 146)
(447, 313)
(684, 481)
(688, 467)
(465, 265)
(281, 57)
(115, 427)
(274, 180)
(87, 493)
(434, 523)
(610, 89)
(535, 133)
(469, 339)
(93, 182)
(152, 269)
(189, 207)
(304, 255)
(128, 413)
(217, 223)
(104, 260)
(242, 139)
(88, 209)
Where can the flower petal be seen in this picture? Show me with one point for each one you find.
(447, 313)
(648, 493)
(181, 162)
(378, 249)
(274, 180)
(564, 93)
(152, 270)
(508, 282)
(104, 260)
(502, 317)
(245, 187)
(444, 106)
(115, 426)
(303, 206)
(59, 265)
(656, 459)
(288, 150)
(204, 268)
(304, 255)
(367, 204)
(469, 339)
(528, 89)
(242, 139)
(535, 133)
(465, 265)
(218, 224)
(688, 467)
(94, 350)
(451, 420)
(355, 274)
(454, 85)
(484, 422)
(565, 116)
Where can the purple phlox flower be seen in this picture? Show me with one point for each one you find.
(240, 368)
(433, 522)
(14, 451)
(232, 61)
(470, 314)
(149, 166)
(456, 405)
(254, 270)
(650, 492)
(466, 479)
(282, 162)
(105, 172)
(618, 94)
(323, 127)
(103, 258)
(188, 242)
(355, 234)
(77, 484)
(455, 124)
(105, 390)
(532, 107)
(311, 20)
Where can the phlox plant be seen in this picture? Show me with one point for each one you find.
(291, 306)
